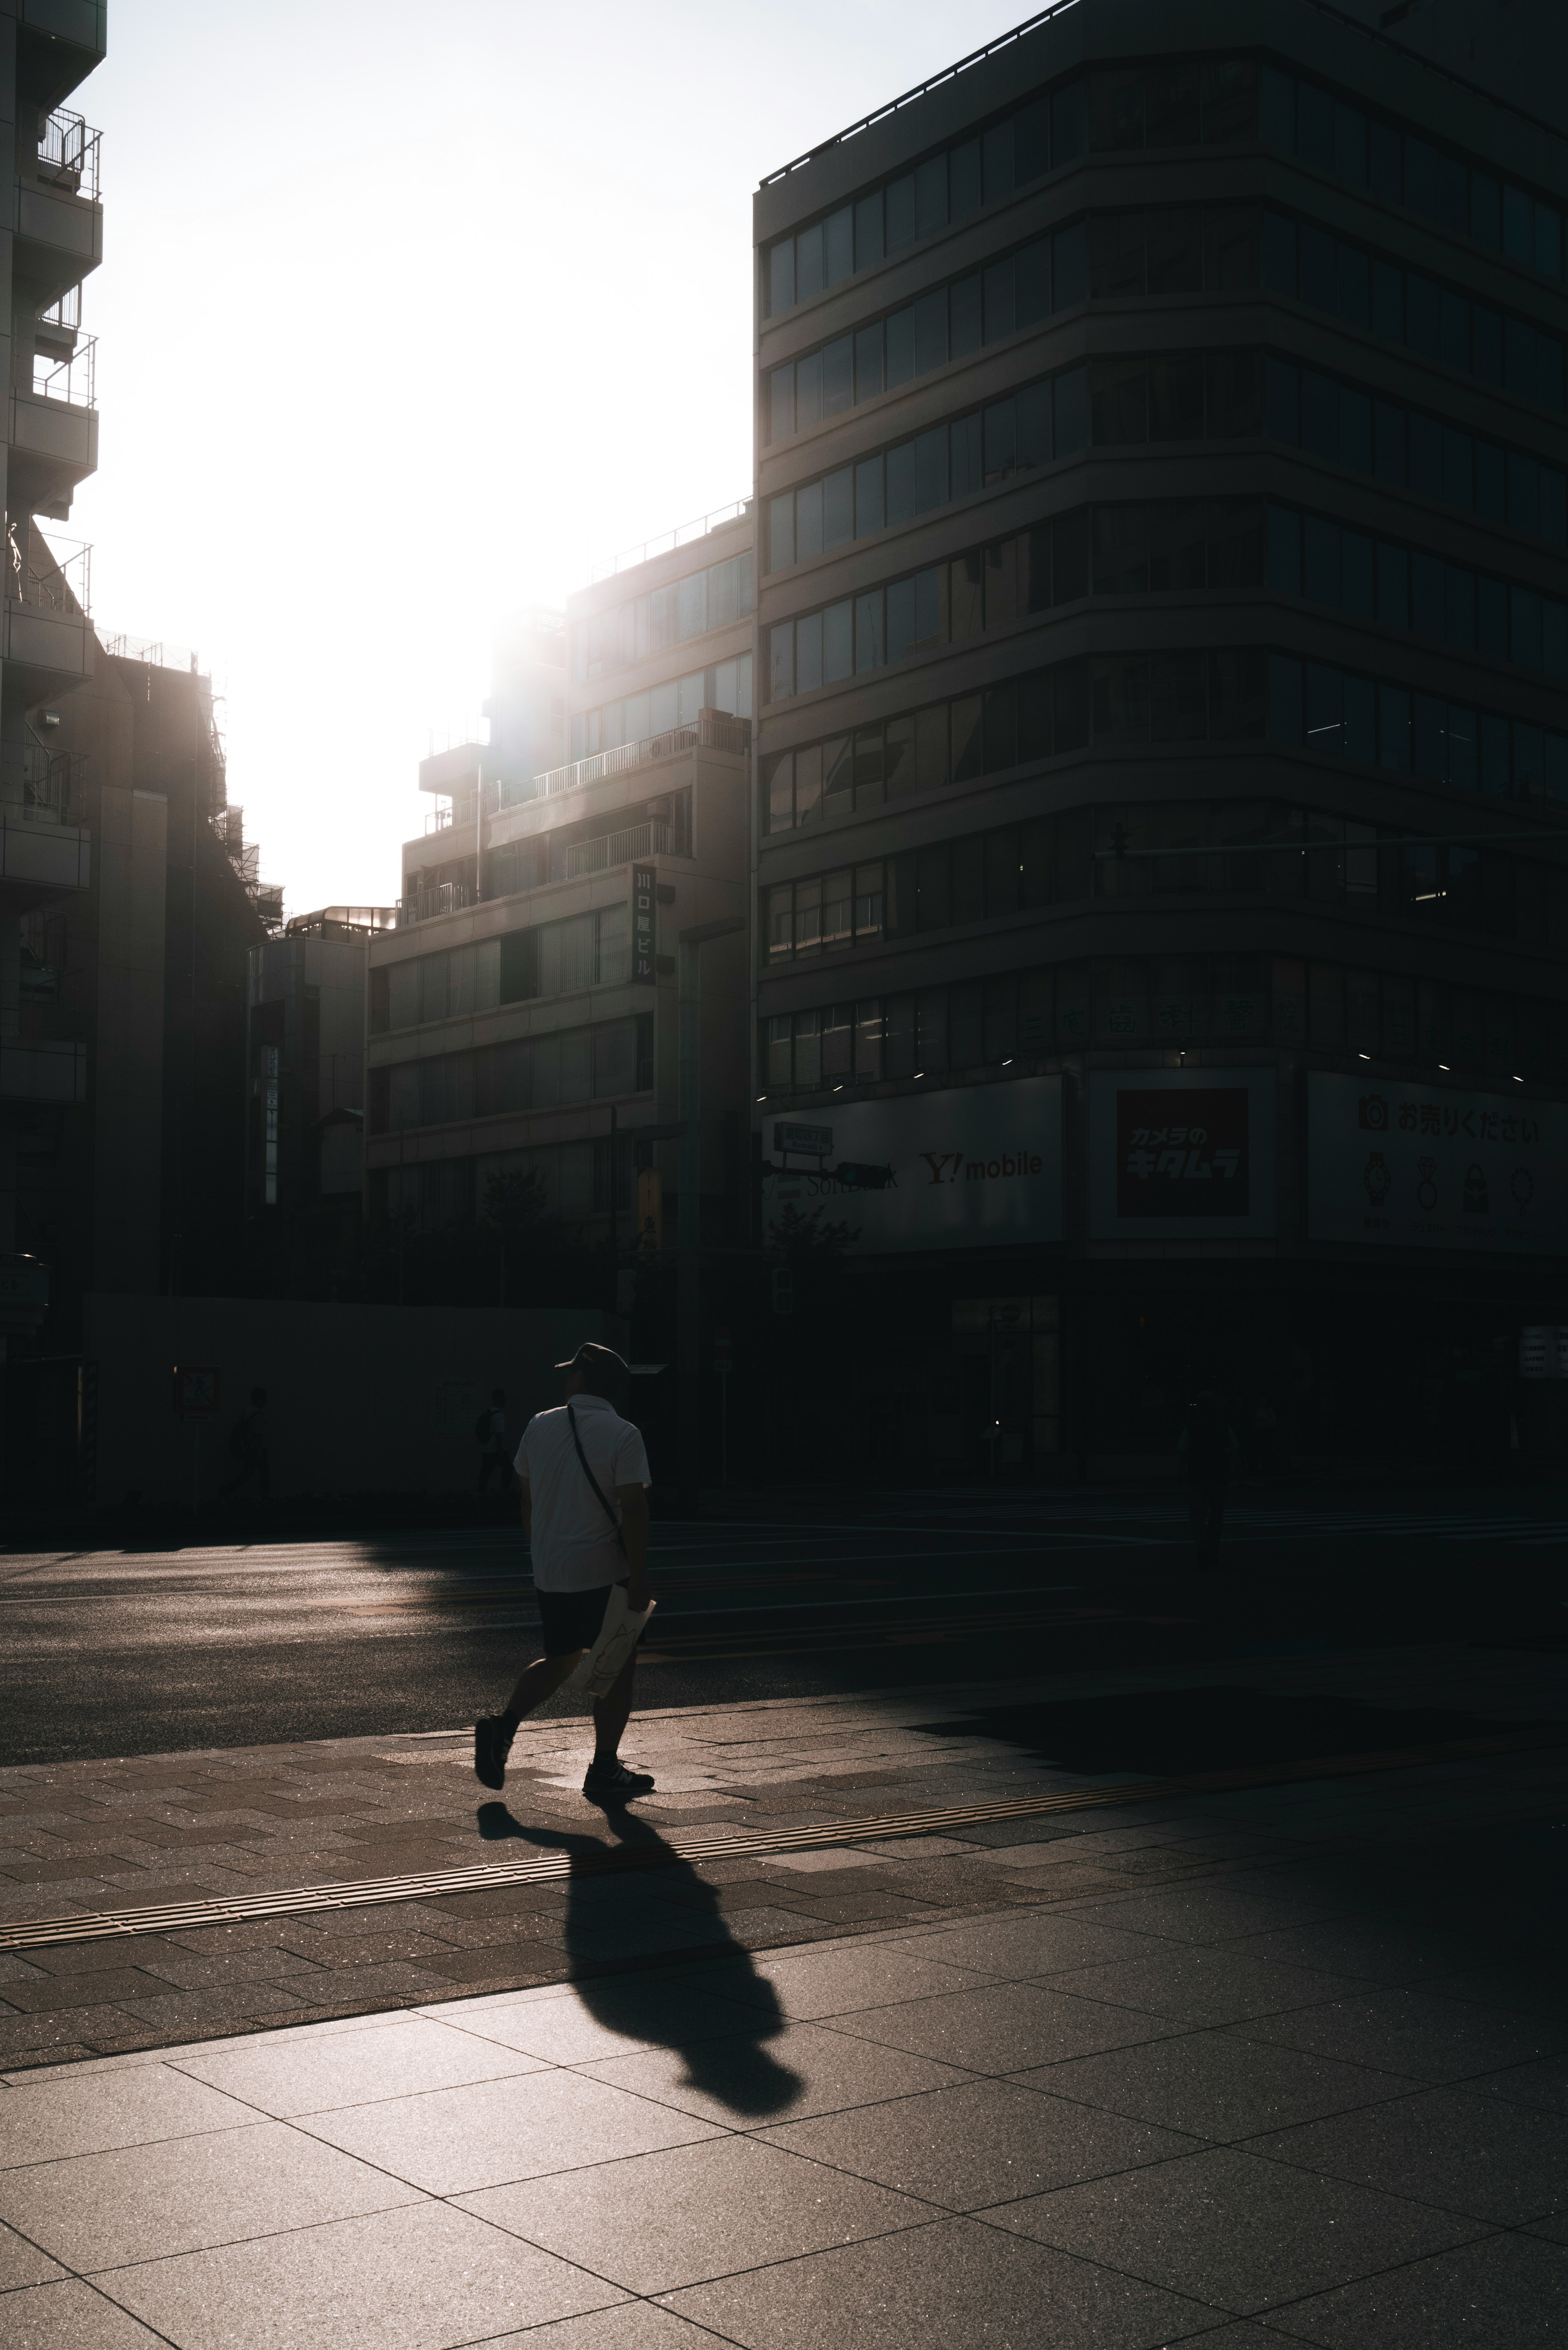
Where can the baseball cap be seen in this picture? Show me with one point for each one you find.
(591, 1357)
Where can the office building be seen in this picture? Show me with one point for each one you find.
(1162, 792)
(523, 1014)
(305, 1061)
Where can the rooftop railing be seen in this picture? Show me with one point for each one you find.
(72, 380)
(714, 730)
(425, 905)
(580, 857)
(154, 652)
(69, 153)
(949, 73)
(682, 536)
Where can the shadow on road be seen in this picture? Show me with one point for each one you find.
(716, 2028)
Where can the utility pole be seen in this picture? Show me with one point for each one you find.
(689, 1222)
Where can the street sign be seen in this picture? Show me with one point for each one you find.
(644, 922)
(1544, 1352)
(196, 1390)
(649, 1211)
(811, 1141)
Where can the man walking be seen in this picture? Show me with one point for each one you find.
(585, 1509)
(491, 1429)
(1207, 1447)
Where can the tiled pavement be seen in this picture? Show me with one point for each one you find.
(90, 1835)
(1320, 2095)
(1286, 2066)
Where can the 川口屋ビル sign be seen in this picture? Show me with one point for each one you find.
(956, 1168)
(1181, 1154)
(644, 941)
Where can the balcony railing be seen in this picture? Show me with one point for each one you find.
(60, 324)
(424, 905)
(69, 153)
(580, 857)
(38, 786)
(668, 541)
(70, 380)
(715, 730)
(57, 582)
(154, 652)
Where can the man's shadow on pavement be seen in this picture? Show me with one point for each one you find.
(722, 2053)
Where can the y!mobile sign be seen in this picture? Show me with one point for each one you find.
(963, 1168)
(1181, 1154)
(1419, 1167)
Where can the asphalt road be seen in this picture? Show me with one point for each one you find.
(125, 1652)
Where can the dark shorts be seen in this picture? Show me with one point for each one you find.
(570, 1621)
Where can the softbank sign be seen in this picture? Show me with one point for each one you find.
(965, 1167)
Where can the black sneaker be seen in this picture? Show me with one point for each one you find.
(491, 1743)
(615, 1781)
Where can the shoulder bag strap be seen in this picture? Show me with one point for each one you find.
(582, 1456)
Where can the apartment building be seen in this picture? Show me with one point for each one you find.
(51, 237)
(305, 1059)
(523, 1012)
(1162, 774)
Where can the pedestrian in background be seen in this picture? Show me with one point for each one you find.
(248, 1445)
(584, 1510)
(1209, 1448)
(490, 1428)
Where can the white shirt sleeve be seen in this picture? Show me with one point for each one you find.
(631, 1466)
(520, 1458)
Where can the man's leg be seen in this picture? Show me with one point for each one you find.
(611, 1714)
(494, 1734)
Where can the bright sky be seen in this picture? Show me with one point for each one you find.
(408, 314)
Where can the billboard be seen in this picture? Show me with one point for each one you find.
(1181, 1154)
(965, 1167)
(1414, 1166)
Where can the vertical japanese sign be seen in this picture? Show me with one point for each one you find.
(1181, 1154)
(1415, 1166)
(643, 939)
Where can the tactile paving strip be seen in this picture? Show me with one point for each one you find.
(727, 1844)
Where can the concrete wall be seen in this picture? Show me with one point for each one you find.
(362, 1399)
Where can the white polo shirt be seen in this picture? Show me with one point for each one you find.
(575, 1548)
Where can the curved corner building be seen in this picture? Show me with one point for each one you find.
(1162, 828)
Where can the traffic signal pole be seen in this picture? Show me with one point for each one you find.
(689, 1215)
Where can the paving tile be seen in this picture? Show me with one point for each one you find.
(141, 2203)
(23, 2264)
(1414, 2032)
(699, 2211)
(632, 2326)
(1038, 1943)
(739, 2084)
(454, 2141)
(1366, 1947)
(87, 2113)
(396, 2059)
(618, 2014)
(981, 2143)
(954, 2282)
(1205, 1983)
(418, 2278)
(1216, 2084)
(1480, 2156)
(1220, 1909)
(1002, 2027)
(1508, 2292)
(1543, 2083)
(838, 1978)
(1236, 2232)
(71, 2316)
